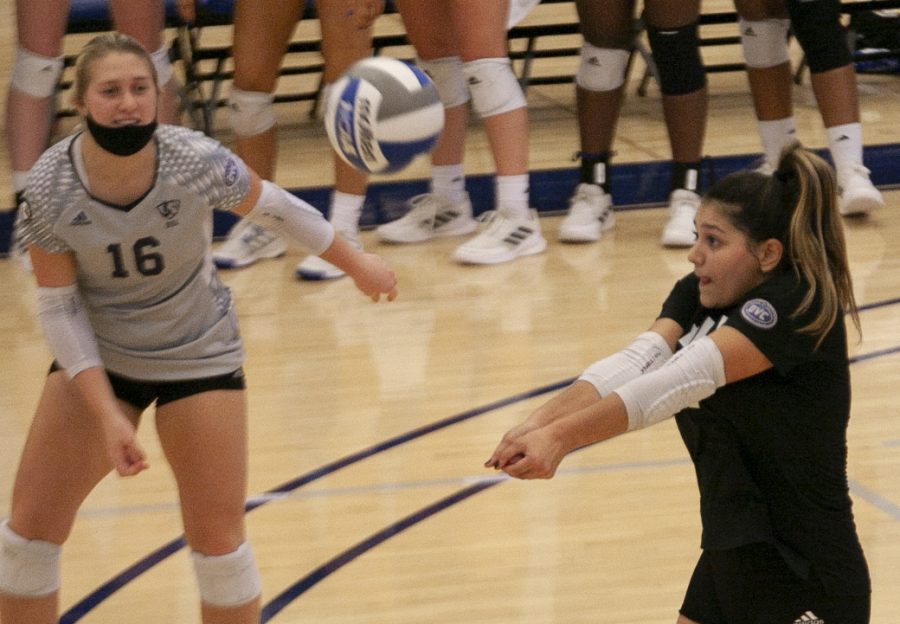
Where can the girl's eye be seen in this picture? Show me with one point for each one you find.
(712, 241)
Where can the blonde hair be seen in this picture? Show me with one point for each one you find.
(99, 47)
(818, 250)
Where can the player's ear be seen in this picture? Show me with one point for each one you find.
(769, 254)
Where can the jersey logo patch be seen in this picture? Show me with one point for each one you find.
(231, 172)
(169, 208)
(81, 219)
(759, 313)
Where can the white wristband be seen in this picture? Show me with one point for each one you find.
(693, 374)
(279, 211)
(67, 328)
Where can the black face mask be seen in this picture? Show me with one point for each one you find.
(121, 140)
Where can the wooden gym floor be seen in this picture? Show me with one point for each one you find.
(369, 423)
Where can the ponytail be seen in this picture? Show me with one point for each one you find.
(816, 248)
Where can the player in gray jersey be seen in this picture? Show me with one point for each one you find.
(118, 225)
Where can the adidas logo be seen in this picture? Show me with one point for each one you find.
(518, 236)
(594, 61)
(843, 137)
(809, 618)
(749, 32)
(81, 219)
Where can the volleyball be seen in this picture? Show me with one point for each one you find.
(382, 113)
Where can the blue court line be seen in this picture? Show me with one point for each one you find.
(282, 600)
(876, 500)
(92, 600)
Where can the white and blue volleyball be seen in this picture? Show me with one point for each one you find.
(382, 113)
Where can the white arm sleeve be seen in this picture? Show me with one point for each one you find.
(646, 353)
(279, 211)
(693, 374)
(67, 329)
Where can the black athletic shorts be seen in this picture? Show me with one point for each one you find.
(142, 393)
(753, 585)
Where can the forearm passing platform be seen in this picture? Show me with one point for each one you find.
(646, 353)
(693, 374)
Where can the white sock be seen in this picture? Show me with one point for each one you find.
(345, 211)
(512, 196)
(775, 135)
(449, 182)
(845, 144)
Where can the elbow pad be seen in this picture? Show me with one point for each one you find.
(693, 374)
(277, 210)
(646, 353)
(67, 328)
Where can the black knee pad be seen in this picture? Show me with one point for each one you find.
(817, 26)
(676, 52)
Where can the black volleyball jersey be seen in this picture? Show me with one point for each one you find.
(770, 451)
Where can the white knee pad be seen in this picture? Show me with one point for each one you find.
(36, 75)
(601, 69)
(493, 86)
(227, 580)
(765, 42)
(163, 65)
(251, 112)
(449, 79)
(28, 568)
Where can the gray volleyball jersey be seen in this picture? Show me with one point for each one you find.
(145, 271)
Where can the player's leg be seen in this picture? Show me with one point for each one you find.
(608, 31)
(342, 45)
(204, 437)
(672, 31)
(499, 101)
(445, 210)
(145, 21)
(818, 29)
(764, 31)
(262, 30)
(41, 25)
(63, 459)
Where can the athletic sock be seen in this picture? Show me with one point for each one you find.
(775, 135)
(845, 144)
(346, 210)
(594, 168)
(512, 195)
(685, 175)
(449, 182)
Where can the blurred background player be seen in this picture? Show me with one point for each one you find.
(609, 32)
(462, 45)
(817, 26)
(41, 26)
(262, 31)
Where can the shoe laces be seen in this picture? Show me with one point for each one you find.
(684, 203)
(585, 200)
(256, 237)
(424, 209)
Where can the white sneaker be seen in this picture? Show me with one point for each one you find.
(504, 239)
(858, 195)
(430, 216)
(247, 243)
(679, 231)
(590, 214)
(313, 268)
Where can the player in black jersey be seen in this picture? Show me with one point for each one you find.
(750, 354)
